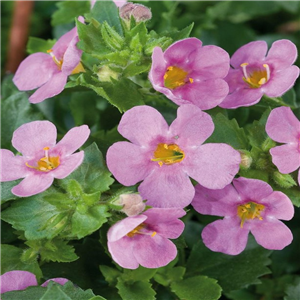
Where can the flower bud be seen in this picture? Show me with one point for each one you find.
(105, 74)
(140, 12)
(246, 159)
(283, 180)
(132, 204)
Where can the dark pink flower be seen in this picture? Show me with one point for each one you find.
(144, 239)
(42, 159)
(256, 73)
(49, 72)
(188, 73)
(283, 127)
(165, 156)
(250, 205)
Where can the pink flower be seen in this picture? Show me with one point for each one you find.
(250, 205)
(189, 73)
(143, 239)
(254, 73)
(20, 280)
(165, 156)
(43, 159)
(49, 72)
(283, 127)
(119, 3)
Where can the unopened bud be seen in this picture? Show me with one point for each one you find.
(267, 144)
(283, 180)
(246, 159)
(105, 74)
(132, 204)
(140, 12)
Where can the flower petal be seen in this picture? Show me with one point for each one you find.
(12, 167)
(271, 234)
(158, 68)
(192, 126)
(72, 140)
(249, 53)
(34, 71)
(58, 280)
(51, 88)
(282, 125)
(221, 202)
(33, 184)
(286, 158)
(213, 165)
(225, 236)
(167, 186)
(17, 281)
(68, 165)
(141, 124)
(71, 57)
(31, 138)
(252, 189)
(154, 252)
(128, 163)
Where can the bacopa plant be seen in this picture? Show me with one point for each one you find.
(151, 151)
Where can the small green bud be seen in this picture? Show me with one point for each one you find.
(246, 159)
(111, 38)
(29, 256)
(283, 180)
(105, 74)
(267, 144)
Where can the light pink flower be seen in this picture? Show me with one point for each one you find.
(144, 239)
(189, 73)
(42, 159)
(283, 127)
(250, 205)
(165, 156)
(49, 72)
(20, 280)
(119, 3)
(256, 73)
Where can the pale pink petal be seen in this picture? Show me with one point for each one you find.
(271, 234)
(279, 206)
(31, 138)
(221, 202)
(68, 165)
(299, 177)
(71, 57)
(128, 163)
(281, 82)
(205, 94)
(235, 80)
(249, 53)
(154, 252)
(33, 184)
(12, 167)
(167, 186)
(122, 252)
(225, 236)
(282, 54)
(141, 124)
(282, 125)
(72, 140)
(51, 88)
(121, 228)
(213, 165)
(286, 157)
(252, 189)
(58, 280)
(34, 71)
(158, 68)
(192, 126)
(120, 3)
(16, 281)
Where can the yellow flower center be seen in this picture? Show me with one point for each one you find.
(79, 68)
(47, 163)
(176, 77)
(249, 211)
(257, 77)
(140, 230)
(168, 154)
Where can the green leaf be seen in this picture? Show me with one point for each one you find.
(111, 275)
(135, 291)
(290, 96)
(38, 45)
(69, 10)
(293, 291)
(182, 34)
(55, 293)
(228, 131)
(197, 288)
(6, 193)
(138, 274)
(10, 260)
(245, 268)
(112, 39)
(166, 275)
(32, 293)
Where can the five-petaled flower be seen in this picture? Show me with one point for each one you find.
(20, 280)
(250, 205)
(144, 239)
(283, 127)
(42, 159)
(165, 156)
(255, 74)
(189, 73)
(49, 72)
